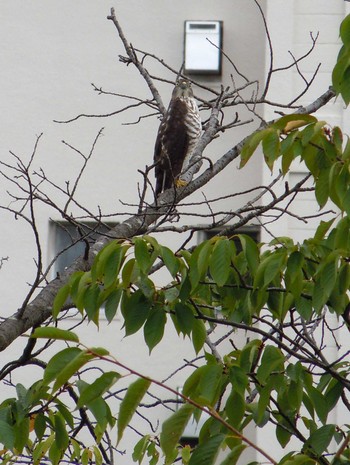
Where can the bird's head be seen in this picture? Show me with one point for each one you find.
(182, 88)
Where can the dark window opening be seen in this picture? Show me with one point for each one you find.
(252, 231)
(70, 241)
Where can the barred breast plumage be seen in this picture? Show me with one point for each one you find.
(177, 137)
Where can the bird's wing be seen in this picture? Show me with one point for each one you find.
(171, 146)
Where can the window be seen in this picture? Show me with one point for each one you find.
(70, 241)
(252, 231)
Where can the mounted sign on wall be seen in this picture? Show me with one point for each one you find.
(203, 44)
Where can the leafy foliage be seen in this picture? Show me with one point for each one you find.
(273, 291)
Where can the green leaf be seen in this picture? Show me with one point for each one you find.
(142, 255)
(199, 335)
(269, 268)
(283, 435)
(219, 263)
(235, 408)
(61, 435)
(234, 454)
(322, 188)
(207, 452)
(40, 425)
(271, 147)
(185, 318)
(251, 251)
(98, 387)
(60, 300)
(250, 145)
(71, 368)
(48, 332)
(140, 449)
(199, 262)
(272, 360)
(209, 384)
(300, 459)
(42, 448)
(112, 265)
(129, 404)
(66, 414)
(91, 302)
(319, 440)
(99, 408)
(345, 30)
(55, 454)
(21, 432)
(7, 437)
(170, 261)
(112, 303)
(98, 455)
(135, 310)
(108, 261)
(154, 327)
(172, 430)
(288, 123)
(319, 403)
(59, 361)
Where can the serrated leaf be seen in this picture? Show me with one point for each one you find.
(71, 368)
(142, 255)
(219, 263)
(209, 384)
(271, 147)
(21, 431)
(140, 449)
(233, 455)
(235, 408)
(288, 123)
(154, 327)
(98, 387)
(40, 425)
(207, 452)
(60, 300)
(185, 318)
(173, 428)
(251, 251)
(112, 303)
(55, 454)
(91, 302)
(319, 403)
(199, 262)
(58, 362)
(272, 360)
(129, 404)
(319, 440)
(301, 459)
(42, 448)
(99, 408)
(268, 269)
(48, 332)
(61, 435)
(283, 435)
(170, 261)
(135, 310)
(199, 334)
(322, 188)
(251, 145)
(7, 437)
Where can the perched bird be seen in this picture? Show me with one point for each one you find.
(177, 137)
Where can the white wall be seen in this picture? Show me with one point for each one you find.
(51, 51)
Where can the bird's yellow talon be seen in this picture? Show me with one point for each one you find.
(180, 183)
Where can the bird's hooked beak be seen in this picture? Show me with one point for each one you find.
(183, 88)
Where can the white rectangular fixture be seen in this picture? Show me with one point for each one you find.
(203, 43)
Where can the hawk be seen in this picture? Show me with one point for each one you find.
(177, 137)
